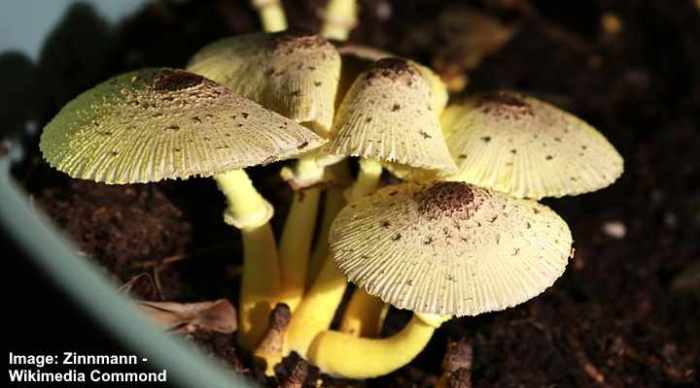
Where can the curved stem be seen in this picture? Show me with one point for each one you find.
(260, 283)
(271, 15)
(315, 312)
(339, 18)
(344, 355)
(246, 207)
(364, 315)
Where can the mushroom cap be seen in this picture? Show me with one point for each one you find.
(155, 124)
(389, 115)
(526, 147)
(293, 74)
(449, 248)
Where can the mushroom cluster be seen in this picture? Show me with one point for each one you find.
(462, 235)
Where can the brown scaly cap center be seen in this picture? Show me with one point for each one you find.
(174, 80)
(504, 104)
(288, 42)
(392, 68)
(446, 199)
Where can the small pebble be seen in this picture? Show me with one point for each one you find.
(615, 229)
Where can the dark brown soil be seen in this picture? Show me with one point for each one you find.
(612, 320)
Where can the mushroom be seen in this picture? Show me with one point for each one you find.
(155, 124)
(389, 114)
(526, 147)
(438, 249)
(297, 76)
(411, 141)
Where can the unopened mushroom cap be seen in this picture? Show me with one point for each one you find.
(388, 115)
(295, 75)
(449, 248)
(156, 124)
(526, 147)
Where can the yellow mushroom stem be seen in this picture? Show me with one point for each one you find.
(344, 355)
(271, 15)
(333, 203)
(298, 232)
(248, 211)
(364, 315)
(339, 18)
(367, 179)
(315, 312)
(295, 245)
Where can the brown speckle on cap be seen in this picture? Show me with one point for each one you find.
(392, 68)
(287, 42)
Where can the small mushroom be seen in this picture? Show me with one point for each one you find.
(155, 124)
(295, 75)
(412, 142)
(526, 147)
(450, 249)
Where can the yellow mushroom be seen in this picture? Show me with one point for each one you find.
(526, 147)
(413, 141)
(441, 249)
(389, 115)
(156, 124)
